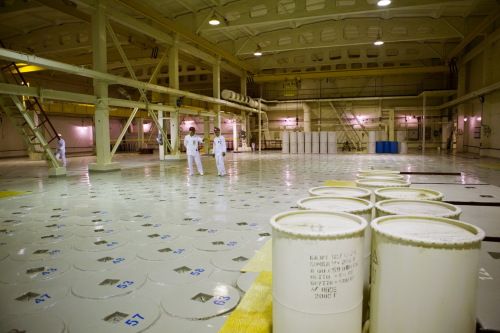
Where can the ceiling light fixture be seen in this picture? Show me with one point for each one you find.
(378, 42)
(214, 20)
(383, 3)
(258, 52)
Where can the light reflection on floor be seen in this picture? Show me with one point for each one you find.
(79, 237)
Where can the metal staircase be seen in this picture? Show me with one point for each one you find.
(349, 136)
(30, 120)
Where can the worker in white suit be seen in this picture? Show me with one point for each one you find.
(61, 149)
(219, 150)
(192, 143)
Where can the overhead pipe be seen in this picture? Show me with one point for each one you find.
(113, 79)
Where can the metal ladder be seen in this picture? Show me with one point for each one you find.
(349, 133)
(33, 131)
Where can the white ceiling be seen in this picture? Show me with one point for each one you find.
(294, 35)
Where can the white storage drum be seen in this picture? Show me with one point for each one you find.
(373, 184)
(323, 142)
(378, 172)
(293, 142)
(300, 142)
(285, 142)
(317, 272)
(379, 176)
(341, 191)
(407, 193)
(417, 207)
(424, 275)
(354, 206)
(315, 142)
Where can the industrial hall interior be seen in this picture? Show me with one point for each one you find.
(250, 166)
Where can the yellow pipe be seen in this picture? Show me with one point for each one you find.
(350, 73)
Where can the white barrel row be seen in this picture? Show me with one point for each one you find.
(308, 142)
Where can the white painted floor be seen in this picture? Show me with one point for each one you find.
(151, 249)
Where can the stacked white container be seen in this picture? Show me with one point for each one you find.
(323, 142)
(332, 143)
(285, 142)
(315, 142)
(293, 142)
(300, 142)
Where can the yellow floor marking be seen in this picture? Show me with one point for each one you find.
(340, 183)
(262, 260)
(254, 313)
(6, 194)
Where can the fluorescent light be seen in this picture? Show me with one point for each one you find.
(479, 118)
(465, 119)
(257, 53)
(214, 21)
(378, 42)
(383, 3)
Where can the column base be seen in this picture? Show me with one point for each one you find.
(113, 166)
(57, 172)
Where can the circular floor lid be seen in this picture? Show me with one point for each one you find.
(232, 260)
(116, 315)
(186, 270)
(222, 241)
(32, 323)
(165, 234)
(32, 271)
(27, 298)
(164, 251)
(98, 230)
(144, 226)
(109, 284)
(52, 237)
(244, 224)
(246, 280)
(38, 252)
(342, 191)
(95, 244)
(200, 300)
(103, 261)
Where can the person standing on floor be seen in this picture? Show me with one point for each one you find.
(219, 150)
(61, 149)
(192, 143)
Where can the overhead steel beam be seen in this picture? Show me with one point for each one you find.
(328, 34)
(471, 95)
(474, 33)
(185, 33)
(113, 79)
(350, 73)
(58, 95)
(331, 10)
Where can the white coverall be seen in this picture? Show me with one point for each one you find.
(191, 143)
(219, 148)
(61, 151)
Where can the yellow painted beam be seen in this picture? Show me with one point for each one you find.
(258, 78)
